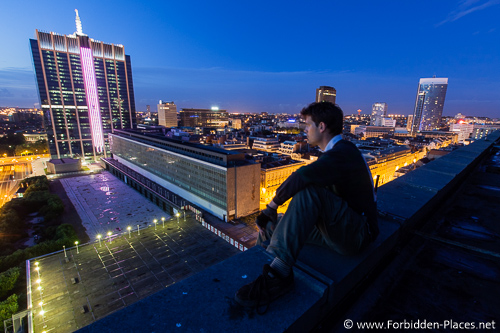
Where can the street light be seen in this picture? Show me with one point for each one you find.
(138, 231)
(64, 248)
(77, 251)
(155, 221)
(184, 216)
(129, 228)
(109, 236)
(178, 219)
(163, 220)
(99, 238)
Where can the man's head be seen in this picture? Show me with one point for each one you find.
(324, 120)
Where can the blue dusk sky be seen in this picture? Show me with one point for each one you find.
(255, 56)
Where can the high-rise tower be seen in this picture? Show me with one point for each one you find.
(326, 94)
(167, 114)
(85, 89)
(429, 104)
(379, 110)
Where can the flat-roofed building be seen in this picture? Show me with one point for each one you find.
(373, 131)
(384, 163)
(270, 145)
(326, 94)
(219, 181)
(209, 118)
(167, 114)
(34, 137)
(234, 123)
(464, 130)
(449, 137)
(291, 147)
(483, 131)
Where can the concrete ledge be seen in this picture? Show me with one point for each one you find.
(401, 199)
(204, 303)
(341, 273)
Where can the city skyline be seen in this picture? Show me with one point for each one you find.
(270, 57)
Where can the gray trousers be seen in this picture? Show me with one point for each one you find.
(316, 216)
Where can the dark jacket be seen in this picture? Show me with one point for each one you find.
(342, 169)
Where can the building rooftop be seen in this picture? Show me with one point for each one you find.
(437, 254)
(155, 138)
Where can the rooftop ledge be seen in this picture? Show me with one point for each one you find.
(204, 302)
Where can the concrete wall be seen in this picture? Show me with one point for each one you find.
(244, 181)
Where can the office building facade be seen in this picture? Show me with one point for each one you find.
(326, 94)
(379, 110)
(167, 114)
(270, 145)
(429, 104)
(85, 90)
(219, 181)
(208, 118)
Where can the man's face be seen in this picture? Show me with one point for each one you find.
(313, 133)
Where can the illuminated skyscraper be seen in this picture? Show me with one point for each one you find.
(379, 110)
(429, 104)
(85, 89)
(326, 94)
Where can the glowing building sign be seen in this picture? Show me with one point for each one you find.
(87, 62)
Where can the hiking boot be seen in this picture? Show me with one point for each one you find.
(265, 289)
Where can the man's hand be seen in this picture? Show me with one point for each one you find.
(266, 215)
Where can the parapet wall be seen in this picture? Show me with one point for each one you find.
(204, 302)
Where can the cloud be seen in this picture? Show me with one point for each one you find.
(5, 93)
(466, 7)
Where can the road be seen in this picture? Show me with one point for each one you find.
(15, 169)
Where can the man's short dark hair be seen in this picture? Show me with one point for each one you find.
(326, 112)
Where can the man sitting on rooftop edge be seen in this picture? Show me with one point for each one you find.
(333, 205)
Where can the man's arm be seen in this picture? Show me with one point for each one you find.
(327, 170)
(293, 184)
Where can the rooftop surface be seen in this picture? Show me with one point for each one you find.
(104, 203)
(104, 276)
(155, 137)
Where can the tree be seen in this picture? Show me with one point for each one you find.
(7, 309)
(8, 280)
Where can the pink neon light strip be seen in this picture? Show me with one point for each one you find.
(87, 62)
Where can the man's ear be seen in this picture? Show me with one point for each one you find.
(322, 127)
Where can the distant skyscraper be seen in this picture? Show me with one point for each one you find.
(167, 114)
(85, 89)
(429, 104)
(326, 94)
(409, 122)
(379, 110)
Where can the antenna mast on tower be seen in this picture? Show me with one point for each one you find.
(79, 30)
